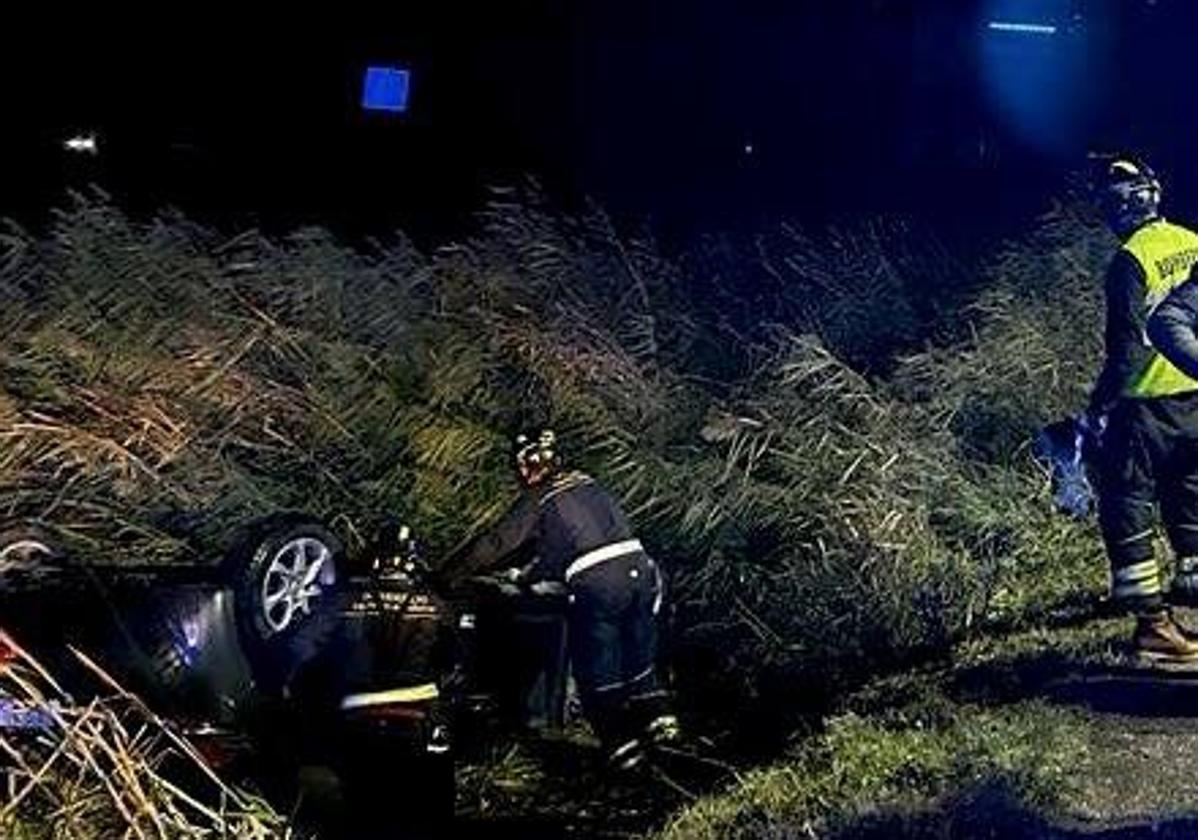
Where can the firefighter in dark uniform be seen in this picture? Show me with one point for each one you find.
(581, 538)
(1143, 410)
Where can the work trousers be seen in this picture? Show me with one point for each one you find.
(613, 645)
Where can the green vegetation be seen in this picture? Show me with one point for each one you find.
(967, 748)
(824, 437)
(858, 773)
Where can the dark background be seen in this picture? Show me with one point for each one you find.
(850, 107)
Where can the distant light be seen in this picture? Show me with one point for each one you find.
(1025, 28)
(386, 89)
(748, 148)
(82, 144)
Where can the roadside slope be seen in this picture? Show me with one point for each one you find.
(1046, 733)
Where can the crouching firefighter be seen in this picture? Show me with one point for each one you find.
(581, 538)
(1143, 411)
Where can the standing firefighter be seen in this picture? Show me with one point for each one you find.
(1144, 410)
(581, 538)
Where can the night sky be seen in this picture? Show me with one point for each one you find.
(699, 115)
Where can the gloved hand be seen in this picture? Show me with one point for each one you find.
(509, 582)
(547, 588)
(1092, 423)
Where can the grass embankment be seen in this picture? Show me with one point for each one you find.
(161, 384)
(981, 744)
(834, 471)
(972, 749)
(1011, 737)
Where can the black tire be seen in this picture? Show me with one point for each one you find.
(29, 558)
(285, 575)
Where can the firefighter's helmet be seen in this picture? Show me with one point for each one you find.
(1127, 191)
(537, 451)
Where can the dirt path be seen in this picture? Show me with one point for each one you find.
(1140, 776)
(1147, 773)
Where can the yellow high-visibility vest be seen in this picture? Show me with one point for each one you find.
(1165, 252)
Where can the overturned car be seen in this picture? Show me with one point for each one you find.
(291, 654)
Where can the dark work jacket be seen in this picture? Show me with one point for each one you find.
(1172, 324)
(567, 516)
(1123, 336)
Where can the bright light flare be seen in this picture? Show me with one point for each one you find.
(82, 144)
(1022, 28)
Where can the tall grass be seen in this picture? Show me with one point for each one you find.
(108, 768)
(828, 501)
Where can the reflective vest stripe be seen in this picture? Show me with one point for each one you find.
(411, 694)
(1137, 580)
(1136, 571)
(1138, 590)
(563, 483)
(602, 555)
(1135, 538)
(1143, 574)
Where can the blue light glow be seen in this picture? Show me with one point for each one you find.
(1025, 28)
(386, 89)
(1042, 71)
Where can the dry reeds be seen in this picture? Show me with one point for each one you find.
(108, 768)
(812, 513)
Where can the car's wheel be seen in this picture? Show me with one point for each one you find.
(284, 574)
(29, 556)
